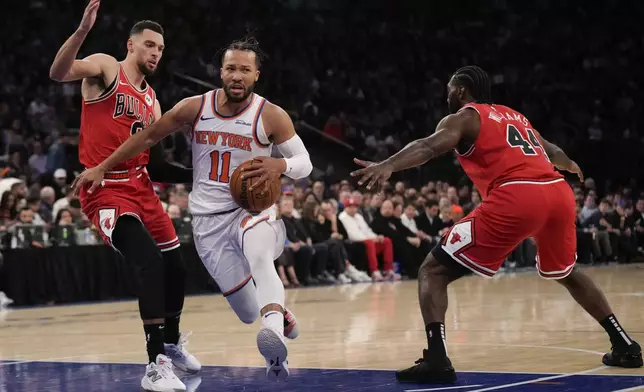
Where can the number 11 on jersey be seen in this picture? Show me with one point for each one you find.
(217, 174)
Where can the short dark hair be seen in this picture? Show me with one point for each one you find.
(477, 82)
(33, 200)
(246, 44)
(431, 203)
(146, 25)
(606, 201)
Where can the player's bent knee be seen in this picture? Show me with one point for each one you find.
(570, 279)
(243, 301)
(134, 242)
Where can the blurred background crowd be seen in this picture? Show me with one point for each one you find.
(356, 84)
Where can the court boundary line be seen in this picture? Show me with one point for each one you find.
(58, 360)
(444, 388)
(540, 379)
(635, 388)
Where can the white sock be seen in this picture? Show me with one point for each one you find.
(275, 321)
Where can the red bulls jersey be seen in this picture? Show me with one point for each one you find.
(107, 122)
(507, 149)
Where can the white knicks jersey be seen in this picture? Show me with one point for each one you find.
(219, 145)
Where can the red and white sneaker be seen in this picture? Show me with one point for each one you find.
(291, 328)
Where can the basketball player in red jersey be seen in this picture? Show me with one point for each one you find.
(523, 196)
(117, 103)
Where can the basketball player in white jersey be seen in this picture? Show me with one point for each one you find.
(230, 126)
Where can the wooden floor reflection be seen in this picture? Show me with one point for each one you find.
(517, 323)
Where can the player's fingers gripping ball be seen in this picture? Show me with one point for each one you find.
(258, 199)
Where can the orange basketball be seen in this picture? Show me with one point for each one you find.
(258, 199)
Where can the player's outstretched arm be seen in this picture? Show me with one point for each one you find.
(66, 67)
(184, 113)
(559, 158)
(449, 131)
(296, 163)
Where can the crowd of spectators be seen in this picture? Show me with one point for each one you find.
(377, 90)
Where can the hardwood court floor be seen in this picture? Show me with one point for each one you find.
(513, 323)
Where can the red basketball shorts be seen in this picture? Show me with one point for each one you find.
(132, 194)
(513, 212)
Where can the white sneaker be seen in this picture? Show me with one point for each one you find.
(353, 274)
(181, 358)
(365, 277)
(160, 377)
(291, 328)
(343, 279)
(360, 276)
(271, 345)
(356, 275)
(376, 276)
(4, 300)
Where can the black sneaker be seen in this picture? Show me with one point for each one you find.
(428, 370)
(627, 357)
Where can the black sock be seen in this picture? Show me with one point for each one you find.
(618, 336)
(436, 339)
(154, 340)
(171, 332)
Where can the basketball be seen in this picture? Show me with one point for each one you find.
(256, 200)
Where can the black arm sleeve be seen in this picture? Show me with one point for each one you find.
(161, 170)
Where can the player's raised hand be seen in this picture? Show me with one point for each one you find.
(375, 173)
(89, 16)
(266, 168)
(574, 168)
(91, 177)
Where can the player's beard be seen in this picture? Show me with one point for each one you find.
(235, 99)
(145, 70)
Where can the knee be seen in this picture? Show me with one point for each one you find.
(134, 242)
(429, 269)
(244, 303)
(570, 280)
(248, 317)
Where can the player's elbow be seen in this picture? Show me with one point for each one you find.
(56, 76)
(299, 166)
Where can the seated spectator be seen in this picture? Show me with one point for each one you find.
(312, 221)
(25, 233)
(47, 199)
(430, 222)
(408, 219)
(286, 264)
(8, 212)
(63, 233)
(300, 242)
(34, 204)
(475, 201)
(407, 246)
(596, 225)
(638, 223)
(358, 231)
(331, 226)
(628, 240)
